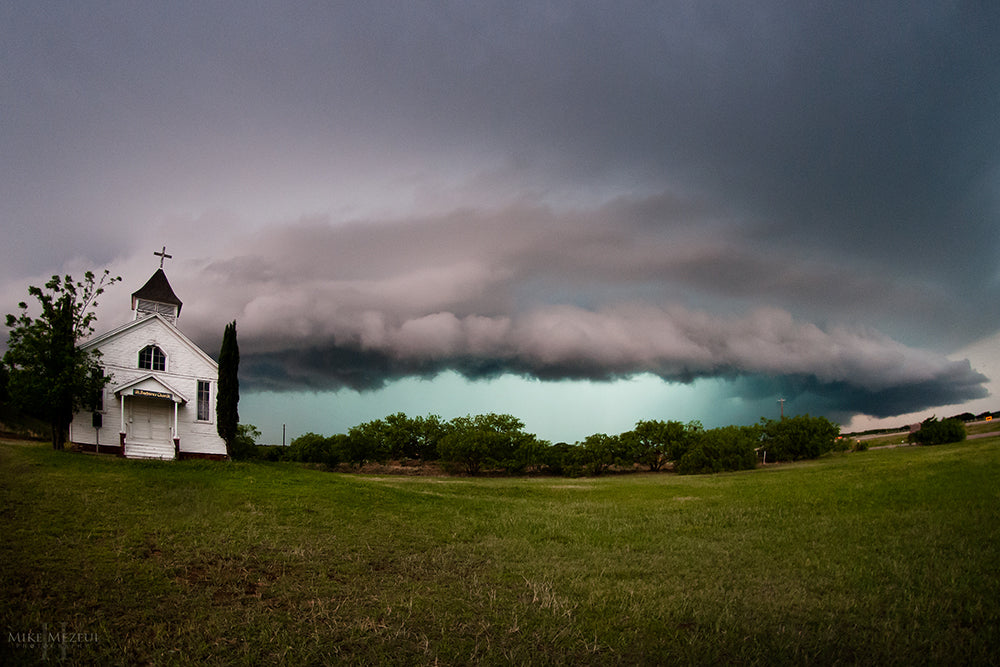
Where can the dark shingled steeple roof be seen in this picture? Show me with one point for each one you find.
(157, 289)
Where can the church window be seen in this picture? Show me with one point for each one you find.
(151, 357)
(204, 400)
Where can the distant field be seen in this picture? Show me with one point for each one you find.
(879, 557)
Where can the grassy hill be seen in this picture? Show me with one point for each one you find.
(878, 557)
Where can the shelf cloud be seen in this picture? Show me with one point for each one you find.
(531, 292)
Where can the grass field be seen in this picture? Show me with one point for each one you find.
(878, 557)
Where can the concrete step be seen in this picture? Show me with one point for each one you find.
(143, 450)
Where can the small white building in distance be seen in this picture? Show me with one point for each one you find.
(160, 402)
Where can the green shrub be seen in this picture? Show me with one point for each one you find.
(411, 437)
(799, 437)
(315, 448)
(491, 440)
(721, 449)
(934, 432)
(244, 445)
(272, 453)
(599, 451)
(653, 443)
(695, 462)
(842, 444)
(466, 447)
(367, 442)
(528, 455)
(562, 459)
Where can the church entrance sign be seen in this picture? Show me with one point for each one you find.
(152, 394)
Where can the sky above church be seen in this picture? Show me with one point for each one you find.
(580, 213)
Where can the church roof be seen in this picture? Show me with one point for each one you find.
(158, 289)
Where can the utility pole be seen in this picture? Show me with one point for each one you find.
(781, 402)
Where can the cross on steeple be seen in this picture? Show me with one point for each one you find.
(163, 255)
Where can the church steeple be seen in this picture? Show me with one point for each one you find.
(156, 296)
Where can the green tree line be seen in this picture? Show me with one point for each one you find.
(499, 443)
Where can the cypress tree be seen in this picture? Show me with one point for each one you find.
(228, 396)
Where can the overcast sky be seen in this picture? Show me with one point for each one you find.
(584, 214)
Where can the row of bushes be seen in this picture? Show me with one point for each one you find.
(498, 442)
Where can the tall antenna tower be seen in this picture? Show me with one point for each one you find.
(781, 402)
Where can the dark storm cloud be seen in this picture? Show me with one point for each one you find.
(837, 374)
(484, 294)
(563, 190)
(301, 279)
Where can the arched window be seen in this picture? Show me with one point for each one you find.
(152, 357)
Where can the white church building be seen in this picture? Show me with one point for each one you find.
(160, 402)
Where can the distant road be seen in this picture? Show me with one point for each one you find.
(872, 436)
(972, 436)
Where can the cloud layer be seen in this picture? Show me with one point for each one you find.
(532, 292)
(848, 371)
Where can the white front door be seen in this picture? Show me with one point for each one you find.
(151, 420)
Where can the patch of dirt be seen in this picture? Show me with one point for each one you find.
(228, 579)
(405, 467)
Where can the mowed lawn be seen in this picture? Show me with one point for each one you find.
(880, 557)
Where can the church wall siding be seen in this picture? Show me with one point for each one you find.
(181, 360)
(185, 366)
